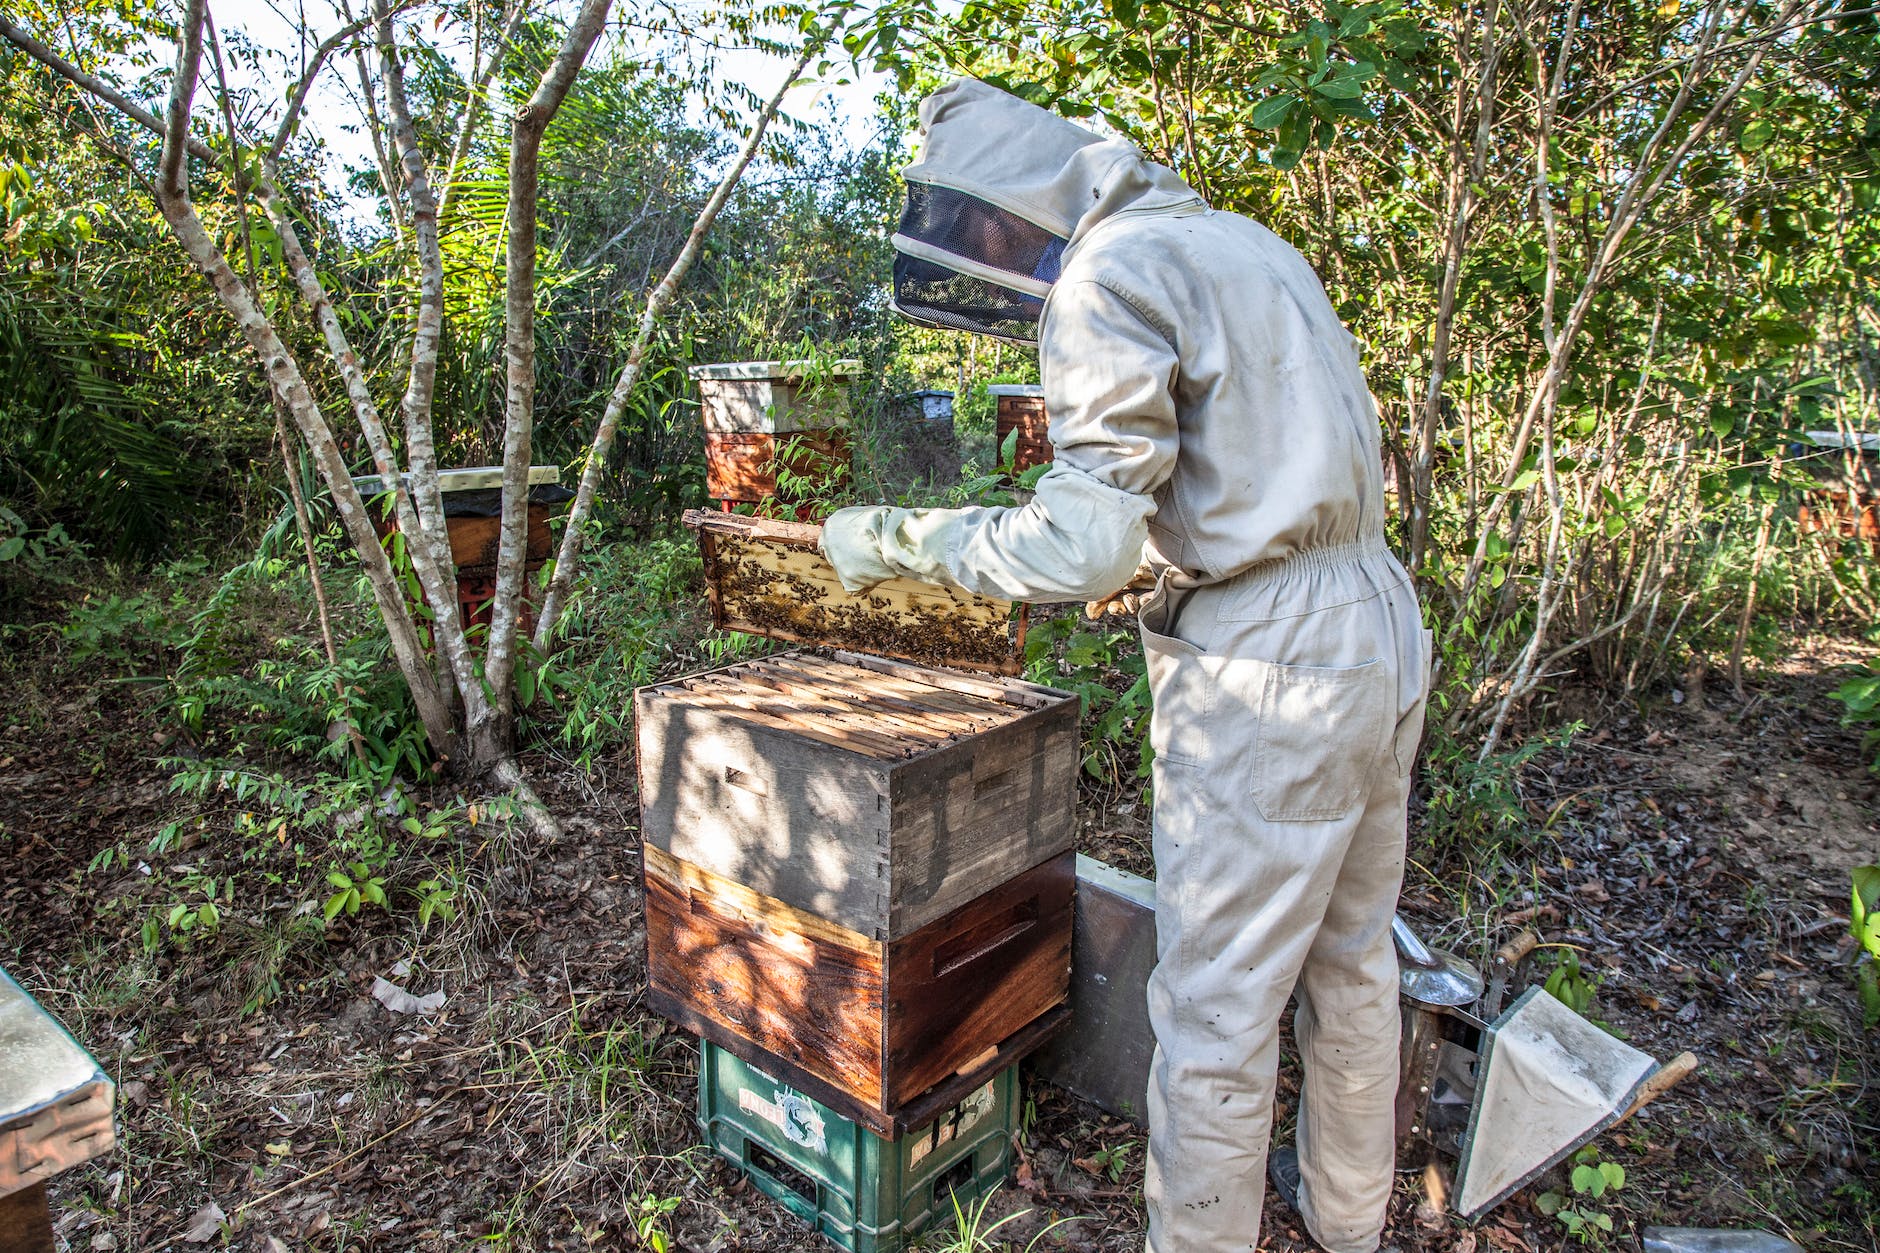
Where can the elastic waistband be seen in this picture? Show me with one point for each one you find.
(1334, 555)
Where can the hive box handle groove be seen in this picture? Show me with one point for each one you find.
(969, 946)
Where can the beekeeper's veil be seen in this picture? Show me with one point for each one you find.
(1002, 188)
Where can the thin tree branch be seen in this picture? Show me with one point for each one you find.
(297, 97)
(420, 390)
(172, 177)
(19, 38)
(476, 97)
(375, 128)
(568, 555)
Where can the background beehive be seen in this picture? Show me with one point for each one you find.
(1021, 409)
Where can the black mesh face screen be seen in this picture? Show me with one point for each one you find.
(933, 295)
(967, 226)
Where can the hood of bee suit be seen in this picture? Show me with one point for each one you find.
(1001, 191)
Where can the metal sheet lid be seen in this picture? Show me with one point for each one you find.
(467, 479)
(1547, 1082)
(1865, 441)
(1034, 390)
(786, 371)
(40, 1062)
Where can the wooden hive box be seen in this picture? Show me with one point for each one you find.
(1021, 409)
(747, 467)
(774, 397)
(762, 415)
(882, 1031)
(877, 795)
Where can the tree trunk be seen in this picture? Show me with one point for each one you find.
(492, 729)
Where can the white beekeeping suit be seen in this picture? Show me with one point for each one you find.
(1211, 421)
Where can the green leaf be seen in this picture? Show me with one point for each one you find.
(1340, 88)
(1865, 911)
(1270, 112)
(338, 880)
(1614, 1173)
(334, 904)
(1755, 135)
(1294, 135)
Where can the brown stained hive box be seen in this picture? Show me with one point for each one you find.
(473, 504)
(1021, 409)
(877, 1029)
(765, 577)
(745, 467)
(473, 501)
(874, 794)
(1844, 502)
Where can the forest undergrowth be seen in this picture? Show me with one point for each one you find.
(347, 1010)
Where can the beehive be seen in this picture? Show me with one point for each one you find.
(774, 397)
(871, 793)
(1021, 409)
(876, 1029)
(766, 417)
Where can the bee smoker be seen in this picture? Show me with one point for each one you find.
(1505, 1094)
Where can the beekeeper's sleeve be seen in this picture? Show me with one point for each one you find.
(1109, 390)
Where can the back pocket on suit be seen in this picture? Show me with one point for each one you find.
(1318, 740)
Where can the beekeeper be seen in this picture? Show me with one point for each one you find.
(1213, 433)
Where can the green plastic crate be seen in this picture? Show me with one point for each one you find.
(865, 1193)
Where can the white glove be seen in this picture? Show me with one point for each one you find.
(851, 541)
(1127, 599)
(1079, 537)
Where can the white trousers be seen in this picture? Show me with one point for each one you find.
(1288, 706)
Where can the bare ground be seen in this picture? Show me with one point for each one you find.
(1696, 858)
